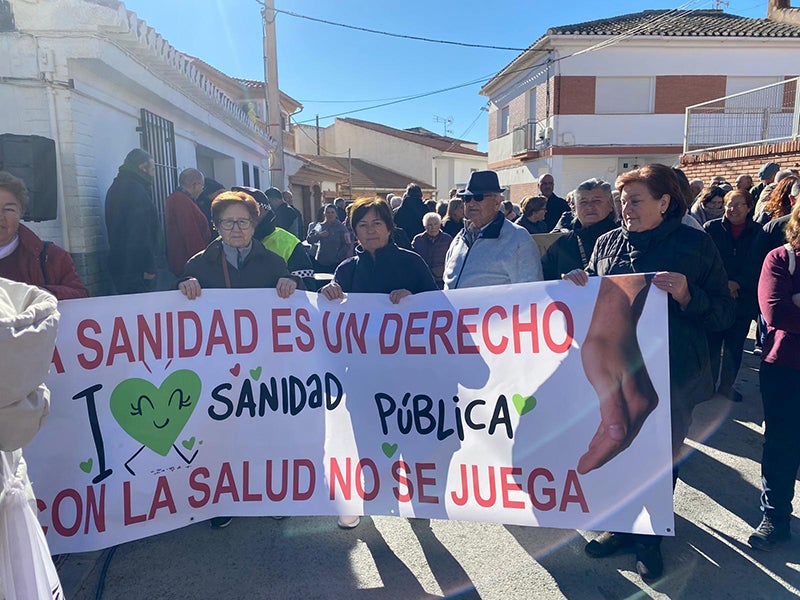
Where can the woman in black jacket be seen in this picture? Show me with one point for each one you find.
(688, 268)
(733, 236)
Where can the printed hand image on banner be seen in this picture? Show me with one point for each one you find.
(498, 404)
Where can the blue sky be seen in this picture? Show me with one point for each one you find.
(325, 67)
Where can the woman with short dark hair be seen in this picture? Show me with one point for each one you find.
(534, 209)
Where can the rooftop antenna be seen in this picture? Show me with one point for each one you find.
(446, 121)
(718, 4)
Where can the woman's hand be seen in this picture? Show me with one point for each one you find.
(675, 285)
(190, 288)
(332, 291)
(576, 276)
(396, 295)
(285, 287)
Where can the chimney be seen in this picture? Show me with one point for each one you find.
(781, 11)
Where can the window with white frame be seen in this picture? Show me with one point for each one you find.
(624, 95)
(503, 124)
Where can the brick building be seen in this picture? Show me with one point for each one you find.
(598, 98)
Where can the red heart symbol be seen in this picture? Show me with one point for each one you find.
(235, 370)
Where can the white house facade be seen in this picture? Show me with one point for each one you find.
(596, 99)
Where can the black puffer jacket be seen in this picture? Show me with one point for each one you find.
(260, 269)
(677, 248)
(409, 216)
(564, 254)
(737, 257)
(392, 269)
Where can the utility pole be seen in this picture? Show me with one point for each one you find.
(349, 174)
(317, 135)
(272, 93)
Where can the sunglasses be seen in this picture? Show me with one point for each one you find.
(475, 197)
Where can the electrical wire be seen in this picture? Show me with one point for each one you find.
(395, 35)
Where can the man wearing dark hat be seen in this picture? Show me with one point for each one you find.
(286, 217)
(490, 250)
(767, 175)
(132, 224)
(409, 216)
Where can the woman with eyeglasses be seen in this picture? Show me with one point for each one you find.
(233, 260)
(710, 204)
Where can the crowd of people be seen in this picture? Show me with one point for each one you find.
(725, 255)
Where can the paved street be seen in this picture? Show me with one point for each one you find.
(716, 505)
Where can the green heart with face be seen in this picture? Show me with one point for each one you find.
(155, 416)
(523, 404)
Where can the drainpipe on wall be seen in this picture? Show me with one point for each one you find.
(45, 60)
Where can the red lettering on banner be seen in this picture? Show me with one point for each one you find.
(399, 470)
(297, 465)
(90, 344)
(393, 346)
(440, 331)
(162, 498)
(463, 328)
(240, 315)
(413, 330)
(95, 509)
(185, 351)
(199, 486)
(422, 481)
(128, 517)
(280, 328)
(573, 493)
(344, 481)
(225, 484)
(154, 340)
(508, 486)
(247, 495)
(569, 326)
(341, 479)
(218, 334)
(58, 364)
(500, 347)
(303, 319)
(271, 493)
(120, 342)
(530, 327)
(77, 502)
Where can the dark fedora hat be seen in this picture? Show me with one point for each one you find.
(482, 182)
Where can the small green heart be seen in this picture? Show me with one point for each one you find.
(524, 404)
(389, 449)
(255, 373)
(188, 444)
(86, 466)
(154, 416)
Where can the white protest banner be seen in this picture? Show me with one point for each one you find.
(475, 404)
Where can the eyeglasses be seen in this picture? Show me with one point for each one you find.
(242, 224)
(475, 197)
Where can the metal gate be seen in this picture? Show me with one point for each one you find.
(157, 136)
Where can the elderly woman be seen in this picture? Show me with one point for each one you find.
(688, 268)
(380, 267)
(332, 239)
(233, 260)
(734, 235)
(709, 204)
(26, 258)
(779, 300)
(453, 221)
(432, 246)
(534, 209)
(595, 216)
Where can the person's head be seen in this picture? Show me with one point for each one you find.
(455, 209)
(235, 214)
(696, 186)
(509, 210)
(212, 189)
(13, 204)
(140, 160)
(482, 198)
(432, 222)
(413, 191)
(546, 185)
(430, 205)
(781, 175)
(593, 201)
(534, 208)
(453, 192)
(779, 203)
(649, 195)
(738, 204)
(717, 180)
(288, 197)
(330, 213)
(441, 208)
(339, 203)
(768, 171)
(192, 181)
(274, 196)
(792, 231)
(396, 201)
(712, 198)
(372, 222)
(744, 182)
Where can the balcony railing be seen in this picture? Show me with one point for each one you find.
(763, 115)
(530, 137)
